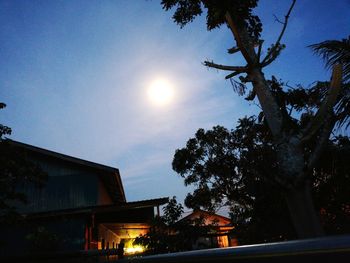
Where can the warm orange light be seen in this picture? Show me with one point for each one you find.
(134, 249)
(130, 248)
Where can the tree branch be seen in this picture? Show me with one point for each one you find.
(231, 75)
(233, 50)
(277, 19)
(238, 39)
(259, 49)
(321, 143)
(224, 67)
(268, 61)
(327, 105)
(290, 110)
(277, 44)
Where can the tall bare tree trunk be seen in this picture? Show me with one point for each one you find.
(301, 207)
(291, 160)
(297, 188)
(289, 142)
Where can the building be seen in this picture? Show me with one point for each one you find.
(216, 230)
(81, 206)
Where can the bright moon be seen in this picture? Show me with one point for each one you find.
(160, 92)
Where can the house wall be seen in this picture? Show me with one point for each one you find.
(219, 237)
(103, 196)
(67, 186)
(223, 241)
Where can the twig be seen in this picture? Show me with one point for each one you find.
(275, 46)
(277, 19)
(290, 110)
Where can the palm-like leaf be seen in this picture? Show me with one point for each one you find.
(334, 52)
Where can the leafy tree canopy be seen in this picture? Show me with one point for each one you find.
(299, 135)
(236, 168)
(242, 10)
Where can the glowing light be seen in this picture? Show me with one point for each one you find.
(160, 92)
(134, 249)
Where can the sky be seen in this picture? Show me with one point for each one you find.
(75, 77)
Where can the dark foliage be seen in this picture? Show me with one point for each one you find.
(168, 234)
(241, 11)
(299, 120)
(306, 101)
(332, 178)
(172, 211)
(236, 169)
(160, 238)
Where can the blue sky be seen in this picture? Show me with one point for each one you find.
(74, 75)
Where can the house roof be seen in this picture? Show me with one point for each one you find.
(109, 175)
(197, 213)
(99, 209)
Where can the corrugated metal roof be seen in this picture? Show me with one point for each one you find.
(64, 157)
(199, 212)
(99, 209)
(111, 177)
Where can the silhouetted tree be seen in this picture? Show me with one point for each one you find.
(168, 234)
(332, 178)
(160, 238)
(172, 211)
(235, 169)
(290, 136)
